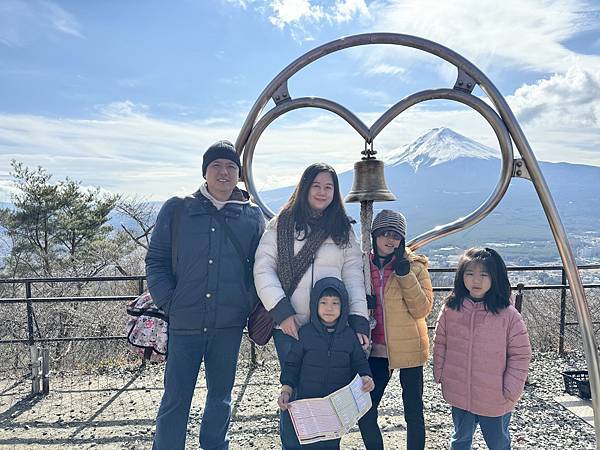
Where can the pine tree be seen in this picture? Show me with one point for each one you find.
(56, 228)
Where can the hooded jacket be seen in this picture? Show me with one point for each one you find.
(323, 361)
(480, 358)
(209, 289)
(403, 304)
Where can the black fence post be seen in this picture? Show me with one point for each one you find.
(34, 351)
(29, 313)
(563, 312)
(141, 286)
(45, 371)
(519, 297)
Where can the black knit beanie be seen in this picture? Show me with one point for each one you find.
(220, 150)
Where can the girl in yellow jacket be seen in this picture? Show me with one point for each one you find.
(404, 295)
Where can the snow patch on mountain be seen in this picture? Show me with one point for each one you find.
(438, 146)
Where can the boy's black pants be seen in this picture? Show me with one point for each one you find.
(411, 380)
(333, 444)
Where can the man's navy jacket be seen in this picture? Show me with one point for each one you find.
(209, 288)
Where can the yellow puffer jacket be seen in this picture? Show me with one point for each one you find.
(407, 303)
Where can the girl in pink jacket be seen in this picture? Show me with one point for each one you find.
(481, 350)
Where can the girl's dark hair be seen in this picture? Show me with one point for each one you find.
(334, 219)
(498, 297)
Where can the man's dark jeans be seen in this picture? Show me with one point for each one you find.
(219, 349)
(411, 380)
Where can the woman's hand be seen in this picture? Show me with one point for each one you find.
(364, 341)
(289, 327)
(368, 384)
(284, 399)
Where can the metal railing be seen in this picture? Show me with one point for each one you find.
(39, 364)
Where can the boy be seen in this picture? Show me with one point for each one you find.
(326, 356)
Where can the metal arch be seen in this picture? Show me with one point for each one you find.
(270, 116)
(503, 139)
(467, 68)
(355, 41)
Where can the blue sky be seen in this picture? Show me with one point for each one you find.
(127, 94)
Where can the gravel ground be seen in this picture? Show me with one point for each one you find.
(116, 410)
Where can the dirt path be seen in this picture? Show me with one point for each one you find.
(117, 410)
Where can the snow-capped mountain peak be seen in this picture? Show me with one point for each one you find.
(438, 146)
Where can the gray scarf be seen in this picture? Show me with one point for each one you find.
(291, 268)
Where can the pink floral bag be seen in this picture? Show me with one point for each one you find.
(147, 327)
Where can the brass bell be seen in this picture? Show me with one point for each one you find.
(369, 182)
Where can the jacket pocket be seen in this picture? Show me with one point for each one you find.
(169, 307)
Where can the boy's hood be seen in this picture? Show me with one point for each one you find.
(315, 294)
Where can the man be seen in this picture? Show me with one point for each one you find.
(208, 297)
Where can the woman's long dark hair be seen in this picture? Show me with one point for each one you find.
(498, 297)
(334, 219)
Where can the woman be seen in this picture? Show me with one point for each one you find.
(310, 239)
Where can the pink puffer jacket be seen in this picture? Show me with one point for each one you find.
(481, 358)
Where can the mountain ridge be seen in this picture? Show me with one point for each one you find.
(439, 190)
(438, 146)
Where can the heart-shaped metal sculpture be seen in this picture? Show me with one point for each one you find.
(460, 93)
(502, 121)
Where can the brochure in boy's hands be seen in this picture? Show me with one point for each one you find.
(321, 419)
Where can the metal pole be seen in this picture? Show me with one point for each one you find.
(519, 297)
(29, 313)
(45, 371)
(563, 312)
(34, 353)
(566, 254)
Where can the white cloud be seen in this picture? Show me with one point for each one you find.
(122, 109)
(243, 3)
(299, 15)
(374, 96)
(561, 101)
(485, 31)
(347, 10)
(21, 21)
(125, 150)
(131, 152)
(60, 19)
(525, 34)
(385, 69)
(293, 11)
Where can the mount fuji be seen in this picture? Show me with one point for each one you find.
(444, 175)
(438, 146)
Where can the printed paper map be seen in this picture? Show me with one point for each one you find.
(320, 419)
